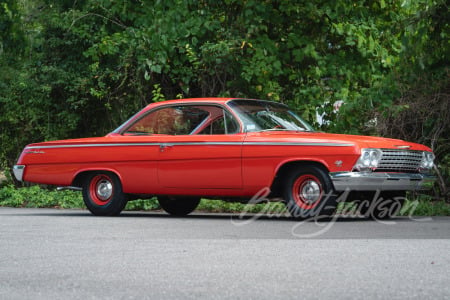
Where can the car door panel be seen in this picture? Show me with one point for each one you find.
(201, 162)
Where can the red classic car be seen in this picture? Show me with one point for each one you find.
(230, 149)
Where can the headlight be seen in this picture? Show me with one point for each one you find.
(427, 161)
(368, 160)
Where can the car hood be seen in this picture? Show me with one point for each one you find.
(321, 137)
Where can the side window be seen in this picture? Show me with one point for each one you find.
(224, 123)
(172, 120)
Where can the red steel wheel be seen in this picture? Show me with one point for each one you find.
(103, 195)
(101, 189)
(309, 192)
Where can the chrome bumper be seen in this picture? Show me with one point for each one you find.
(18, 171)
(361, 181)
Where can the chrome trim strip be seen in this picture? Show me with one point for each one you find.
(194, 144)
(297, 144)
(93, 145)
(202, 144)
(372, 181)
(72, 188)
(18, 171)
(402, 146)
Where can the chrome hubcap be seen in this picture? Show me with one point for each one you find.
(310, 191)
(104, 189)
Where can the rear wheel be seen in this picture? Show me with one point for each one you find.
(103, 195)
(309, 193)
(179, 206)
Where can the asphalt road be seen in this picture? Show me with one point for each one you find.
(69, 254)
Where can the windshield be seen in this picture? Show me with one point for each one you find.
(260, 115)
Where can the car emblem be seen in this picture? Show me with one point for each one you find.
(402, 146)
(338, 163)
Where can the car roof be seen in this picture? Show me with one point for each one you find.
(205, 99)
(216, 100)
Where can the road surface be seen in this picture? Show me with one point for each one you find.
(70, 254)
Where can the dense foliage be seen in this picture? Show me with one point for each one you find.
(73, 68)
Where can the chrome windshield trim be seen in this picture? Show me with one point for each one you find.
(193, 144)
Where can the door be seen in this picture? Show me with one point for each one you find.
(201, 162)
(199, 146)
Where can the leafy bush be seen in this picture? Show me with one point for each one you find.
(38, 197)
(219, 206)
(427, 206)
(147, 204)
(35, 196)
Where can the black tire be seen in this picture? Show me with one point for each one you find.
(309, 193)
(384, 206)
(103, 195)
(181, 206)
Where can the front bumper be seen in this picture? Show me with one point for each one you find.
(365, 181)
(18, 171)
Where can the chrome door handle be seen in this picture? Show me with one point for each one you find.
(162, 147)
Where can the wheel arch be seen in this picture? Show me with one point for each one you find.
(81, 175)
(284, 169)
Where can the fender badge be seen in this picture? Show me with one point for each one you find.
(338, 163)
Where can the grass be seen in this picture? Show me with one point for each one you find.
(38, 197)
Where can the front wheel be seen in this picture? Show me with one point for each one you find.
(103, 195)
(179, 206)
(309, 193)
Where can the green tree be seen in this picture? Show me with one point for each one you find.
(80, 68)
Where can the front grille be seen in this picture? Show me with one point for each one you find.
(400, 161)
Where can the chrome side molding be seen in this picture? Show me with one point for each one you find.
(72, 188)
